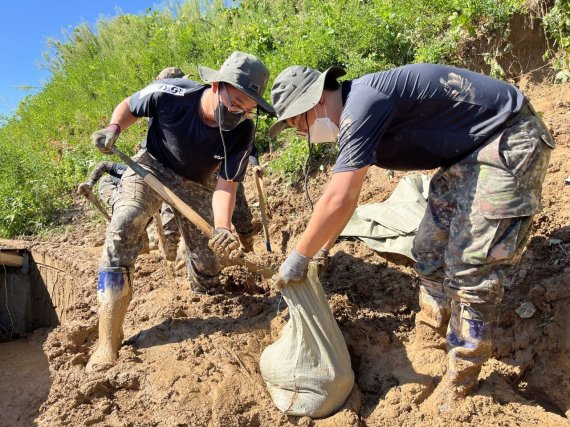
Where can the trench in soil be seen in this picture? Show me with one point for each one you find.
(33, 300)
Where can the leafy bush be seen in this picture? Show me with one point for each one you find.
(557, 24)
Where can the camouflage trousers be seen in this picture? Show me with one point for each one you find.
(107, 190)
(135, 205)
(241, 219)
(478, 219)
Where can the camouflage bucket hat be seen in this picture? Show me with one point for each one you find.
(298, 89)
(246, 73)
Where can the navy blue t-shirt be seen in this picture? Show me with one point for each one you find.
(420, 116)
(179, 139)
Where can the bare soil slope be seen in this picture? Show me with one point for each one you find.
(193, 360)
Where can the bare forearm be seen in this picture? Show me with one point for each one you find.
(122, 115)
(223, 203)
(331, 241)
(328, 217)
(332, 212)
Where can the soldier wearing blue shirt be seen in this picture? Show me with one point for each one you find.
(194, 130)
(492, 152)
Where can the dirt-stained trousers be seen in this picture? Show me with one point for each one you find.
(475, 226)
(133, 208)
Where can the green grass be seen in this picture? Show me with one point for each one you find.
(45, 147)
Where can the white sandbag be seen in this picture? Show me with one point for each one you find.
(307, 370)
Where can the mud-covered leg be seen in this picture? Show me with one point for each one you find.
(426, 352)
(114, 293)
(469, 347)
(433, 317)
(171, 231)
(202, 265)
(132, 212)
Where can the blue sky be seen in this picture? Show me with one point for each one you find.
(25, 25)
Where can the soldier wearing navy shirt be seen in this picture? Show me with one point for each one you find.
(194, 129)
(492, 152)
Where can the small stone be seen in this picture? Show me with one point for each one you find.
(526, 310)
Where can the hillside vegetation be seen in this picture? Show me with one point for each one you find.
(45, 149)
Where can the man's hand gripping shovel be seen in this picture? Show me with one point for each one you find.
(85, 189)
(176, 202)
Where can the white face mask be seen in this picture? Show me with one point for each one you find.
(323, 129)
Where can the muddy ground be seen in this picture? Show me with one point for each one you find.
(193, 360)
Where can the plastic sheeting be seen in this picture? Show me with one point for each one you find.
(307, 370)
(390, 226)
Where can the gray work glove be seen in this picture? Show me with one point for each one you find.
(293, 270)
(104, 139)
(321, 259)
(224, 245)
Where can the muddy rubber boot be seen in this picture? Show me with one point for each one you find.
(427, 352)
(114, 292)
(469, 347)
(432, 319)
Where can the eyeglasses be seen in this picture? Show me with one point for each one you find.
(238, 111)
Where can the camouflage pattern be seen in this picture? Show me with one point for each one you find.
(134, 207)
(242, 217)
(107, 191)
(242, 220)
(168, 220)
(474, 229)
(479, 215)
(171, 231)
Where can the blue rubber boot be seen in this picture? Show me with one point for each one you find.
(114, 292)
(469, 346)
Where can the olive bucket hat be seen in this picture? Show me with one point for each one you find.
(298, 89)
(246, 73)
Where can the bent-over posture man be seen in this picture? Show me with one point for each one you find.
(193, 131)
(242, 216)
(492, 151)
(108, 175)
